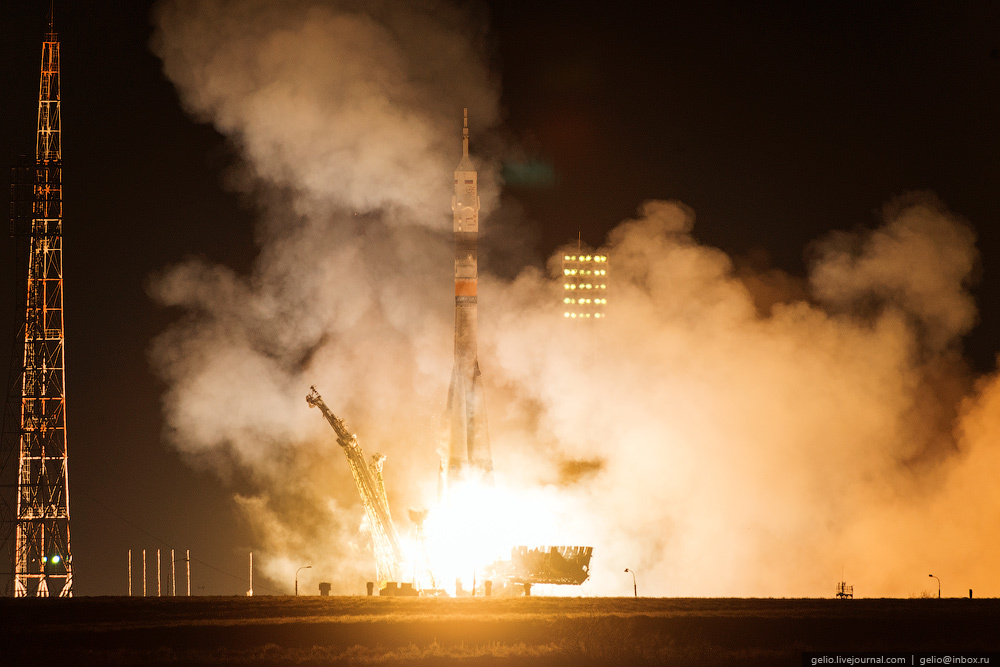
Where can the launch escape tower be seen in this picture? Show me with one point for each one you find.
(36, 419)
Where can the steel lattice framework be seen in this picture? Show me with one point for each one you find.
(43, 563)
(389, 557)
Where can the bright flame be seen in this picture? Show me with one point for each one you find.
(478, 524)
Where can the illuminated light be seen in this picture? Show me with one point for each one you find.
(603, 286)
(565, 314)
(572, 286)
(565, 285)
(573, 258)
(574, 315)
(589, 285)
(55, 559)
(566, 257)
(44, 560)
(566, 272)
(588, 258)
(588, 314)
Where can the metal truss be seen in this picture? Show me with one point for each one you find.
(43, 563)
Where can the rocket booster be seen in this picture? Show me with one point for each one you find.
(469, 443)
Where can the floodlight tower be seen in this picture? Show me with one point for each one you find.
(43, 564)
(585, 285)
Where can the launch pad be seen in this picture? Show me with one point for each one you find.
(560, 565)
(569, 566)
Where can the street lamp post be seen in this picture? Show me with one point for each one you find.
(939, 585)
(304, 567)
(635, 589)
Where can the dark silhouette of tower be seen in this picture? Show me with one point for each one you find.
(43, 564)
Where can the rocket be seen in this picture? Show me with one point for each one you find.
(469, 442)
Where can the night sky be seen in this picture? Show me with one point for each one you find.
(776, 124)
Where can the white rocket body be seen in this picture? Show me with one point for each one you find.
(469, 444)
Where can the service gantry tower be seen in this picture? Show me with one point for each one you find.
(43, 563)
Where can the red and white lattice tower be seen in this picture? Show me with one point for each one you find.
(43, 563)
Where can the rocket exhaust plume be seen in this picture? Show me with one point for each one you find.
(469, 442)
(716, 446)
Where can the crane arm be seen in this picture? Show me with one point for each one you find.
(368, 478)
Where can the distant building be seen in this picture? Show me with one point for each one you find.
(585, 285)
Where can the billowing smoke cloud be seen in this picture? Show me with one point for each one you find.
(715, 446)
(346, 102)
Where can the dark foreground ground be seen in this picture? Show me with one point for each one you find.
(497, 631)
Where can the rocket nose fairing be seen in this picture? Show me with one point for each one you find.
(468, 444)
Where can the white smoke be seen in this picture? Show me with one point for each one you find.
(715, 446)
(351, 103)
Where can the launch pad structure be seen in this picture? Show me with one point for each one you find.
(559, 565)
(368, 478)
(36, 520)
